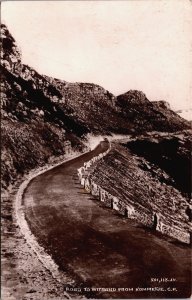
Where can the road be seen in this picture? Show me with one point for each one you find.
(95, 245)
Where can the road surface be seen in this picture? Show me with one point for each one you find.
(98, 247)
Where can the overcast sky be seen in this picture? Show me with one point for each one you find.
(121, 45)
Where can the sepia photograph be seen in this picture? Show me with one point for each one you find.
(96, 142)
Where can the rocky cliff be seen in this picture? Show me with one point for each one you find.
(43, 117)
(33, 127)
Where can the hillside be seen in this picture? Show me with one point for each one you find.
(44, 117)
(32, 129)
(144, 115)
(135, 173)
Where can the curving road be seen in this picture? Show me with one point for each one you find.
(95, 245)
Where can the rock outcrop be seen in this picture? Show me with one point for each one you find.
(143, 115)
(162, 104)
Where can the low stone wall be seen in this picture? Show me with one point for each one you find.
(173, 231)
(150, 219)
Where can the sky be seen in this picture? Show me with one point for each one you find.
(120, 45)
